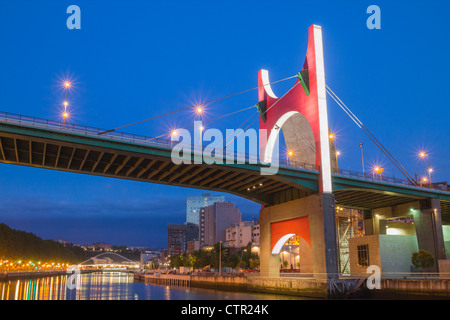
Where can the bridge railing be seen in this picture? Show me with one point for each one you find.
(387, 179)
(371, 176)
(135, 138)
(167, 143)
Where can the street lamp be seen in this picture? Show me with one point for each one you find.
(332, 138)
(424, 180)
(245, 250)
(423, 154)
(362, 158)
(338, 153)
(65, 115)
(377, 170)
(290, 154)
(220, 257)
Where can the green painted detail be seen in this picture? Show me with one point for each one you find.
(303, 77)
(262, 107)
(342, 183)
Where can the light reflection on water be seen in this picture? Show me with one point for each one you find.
(114, 286)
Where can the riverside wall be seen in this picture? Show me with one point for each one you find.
(309, 287)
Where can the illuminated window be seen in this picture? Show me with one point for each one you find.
(363, 255)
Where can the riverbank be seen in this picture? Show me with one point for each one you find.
(7, 276)
(308, 287)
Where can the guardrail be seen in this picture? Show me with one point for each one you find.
(119, 136)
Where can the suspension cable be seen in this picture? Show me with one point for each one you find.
(220, 117)
(194, 106)
(359, 123)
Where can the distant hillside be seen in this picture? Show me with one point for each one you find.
(21, 245)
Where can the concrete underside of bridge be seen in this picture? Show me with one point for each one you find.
(320, 212)
(109, 158)
(102, 156)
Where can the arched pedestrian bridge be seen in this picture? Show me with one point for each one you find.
(109, 260)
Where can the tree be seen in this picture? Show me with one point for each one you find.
(233, 260)
(254, 263)
(422, 259)
(176, 261)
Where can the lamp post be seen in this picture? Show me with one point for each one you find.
(331, 136)
(220, 258)
(199, 111)
(377, 170)
(423, 154)
(66, 103)
(290, 154)
(424, 180)
(429, 174)
(338, 153)
(65, 113)
(362, 157)
(245, 250)
(172, 134)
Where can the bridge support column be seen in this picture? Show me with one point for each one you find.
(322, 233)
(427, 223)
(429, 233)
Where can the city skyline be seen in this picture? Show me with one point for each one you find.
(127, 65)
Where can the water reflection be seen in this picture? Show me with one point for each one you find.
(96, 286)
(113, 286)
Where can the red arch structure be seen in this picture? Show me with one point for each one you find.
(281, 231)
(307, 98)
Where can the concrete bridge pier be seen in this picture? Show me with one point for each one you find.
(313, 219)
(430, 237)
(427, 224)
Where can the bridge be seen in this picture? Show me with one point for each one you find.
(43, 143)
(300, 199)
(109, 260)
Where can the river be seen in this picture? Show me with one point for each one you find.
(115, 286)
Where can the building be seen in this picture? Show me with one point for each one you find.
(147, 256)
(99, 246)
(238, 235)
(176, 238)
(192, 246)
(191, 232)
(214, 220)
(255, 234)
(195, 203)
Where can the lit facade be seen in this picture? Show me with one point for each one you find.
(240, 234)
(214, 221)
(195, 203)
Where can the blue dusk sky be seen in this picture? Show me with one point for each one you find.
(132, 60)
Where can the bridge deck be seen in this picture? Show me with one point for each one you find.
(47, 144)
